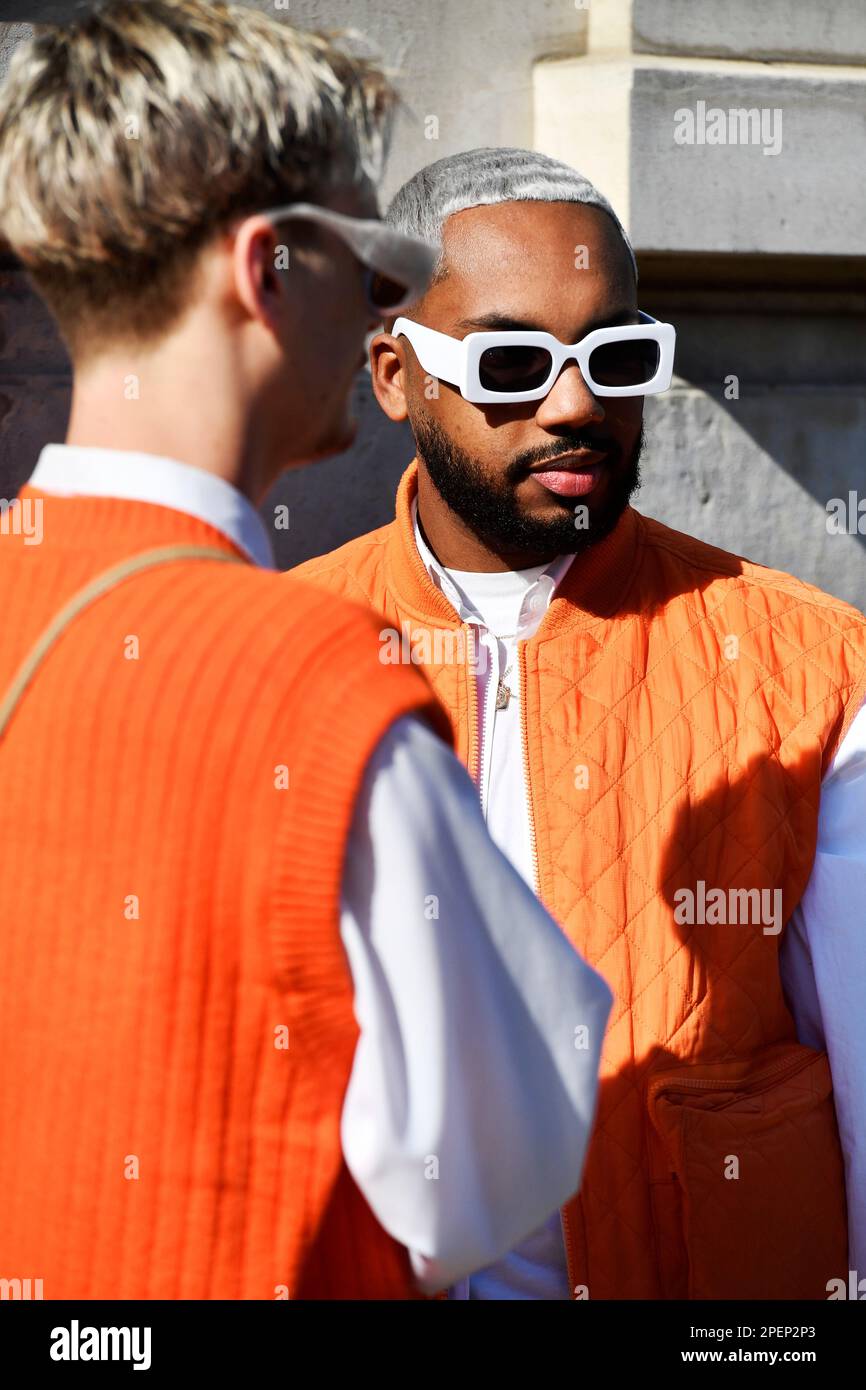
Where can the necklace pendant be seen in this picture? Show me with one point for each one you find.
(503, 695)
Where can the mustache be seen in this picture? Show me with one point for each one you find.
(521, 466)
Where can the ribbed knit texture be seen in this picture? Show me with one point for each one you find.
(681, 706)
(166, 907)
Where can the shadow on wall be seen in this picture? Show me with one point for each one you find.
(35, 378)
(793, 380)
(756, 478)
(337, 499)
(43, 11)
(818, 438)
(764, 431)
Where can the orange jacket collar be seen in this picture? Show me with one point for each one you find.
(594, 586)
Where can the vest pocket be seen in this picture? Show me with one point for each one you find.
(754, 1177)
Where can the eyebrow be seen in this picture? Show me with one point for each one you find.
(499, 323)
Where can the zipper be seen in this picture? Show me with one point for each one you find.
(521, 666)
(482, 723)
(536, 880)
(670, 1082)
(478, 721)
(473, 750)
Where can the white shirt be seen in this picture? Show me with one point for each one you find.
(822, 955)
(513, 604)
(468, 1109)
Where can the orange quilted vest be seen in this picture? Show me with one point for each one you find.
(680, 708)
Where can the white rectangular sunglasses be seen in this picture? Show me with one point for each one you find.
(513, 366)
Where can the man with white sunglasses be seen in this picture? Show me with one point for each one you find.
(668, 742)
(247, 993)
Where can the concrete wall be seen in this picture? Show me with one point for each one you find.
(760, 260)
(772, 30)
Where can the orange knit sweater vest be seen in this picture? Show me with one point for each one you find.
(680, 708)
(176, 1020)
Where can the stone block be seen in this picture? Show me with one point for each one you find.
(774, 30)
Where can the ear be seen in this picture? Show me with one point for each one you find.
(259, 260)
(388, 371)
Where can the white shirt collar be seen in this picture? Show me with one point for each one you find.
(72, 470)
(539, 589)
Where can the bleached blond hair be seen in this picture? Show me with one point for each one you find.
(488, 175)
(132, 136)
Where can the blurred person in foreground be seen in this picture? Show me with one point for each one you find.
(259, 960)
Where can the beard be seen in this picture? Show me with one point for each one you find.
(490, 508)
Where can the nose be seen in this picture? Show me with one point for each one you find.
(570, 401)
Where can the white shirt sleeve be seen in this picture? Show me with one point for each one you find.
(823, 962)
(473, 1086)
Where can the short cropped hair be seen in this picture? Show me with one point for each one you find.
(131, 137)
(489, 174)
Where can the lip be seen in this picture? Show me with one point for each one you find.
(577, 461)
(571, 475)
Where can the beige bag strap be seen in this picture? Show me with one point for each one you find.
(109, 579)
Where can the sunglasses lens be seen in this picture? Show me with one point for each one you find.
(514, 368)
(631, 362)
(384, 293)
